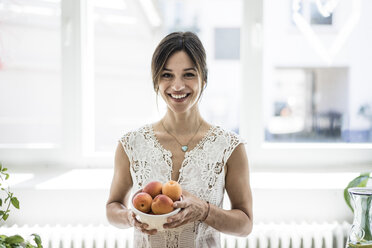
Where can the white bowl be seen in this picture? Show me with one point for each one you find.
(154, 221)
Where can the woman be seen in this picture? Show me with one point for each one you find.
(182, 146)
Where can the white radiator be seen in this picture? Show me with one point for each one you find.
(264, 235)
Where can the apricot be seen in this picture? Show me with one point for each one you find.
(162, 204)
(153, 188)
(142, 201)
(172, 189)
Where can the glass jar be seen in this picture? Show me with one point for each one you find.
(360, 235)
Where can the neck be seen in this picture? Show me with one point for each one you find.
(182, 123)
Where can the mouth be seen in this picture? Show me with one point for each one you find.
(179, 97)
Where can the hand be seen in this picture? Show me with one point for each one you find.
(193, 209)
(139, 225)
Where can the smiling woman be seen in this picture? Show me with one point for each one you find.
(203, 158)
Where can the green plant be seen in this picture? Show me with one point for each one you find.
(359, 181)
(15, 241)
(10, 199)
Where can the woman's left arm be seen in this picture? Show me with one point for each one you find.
(238, 220)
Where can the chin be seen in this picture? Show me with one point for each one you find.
(178, 110)
(183, 109)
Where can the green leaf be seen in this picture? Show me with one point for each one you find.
(2, 245)
(1, 202)
(6, 176)
(37, 240)
(360, 181)
(14, 239)
(4, 169)
(5, 216)
(367, 174)
(15, 202)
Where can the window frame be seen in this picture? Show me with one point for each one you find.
(77, 91)
(278, 156)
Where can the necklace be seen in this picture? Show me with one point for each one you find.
(184, 148)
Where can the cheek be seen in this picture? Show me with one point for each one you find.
(161, 88)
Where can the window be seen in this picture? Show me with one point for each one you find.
(298, 90)
(315, 97)
(77, 104)
(30, 86)
(124, 98)
(316, 12)
(227, 43)
(309, 105)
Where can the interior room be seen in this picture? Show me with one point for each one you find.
(292, 78)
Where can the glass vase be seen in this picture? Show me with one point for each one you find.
(360, 235)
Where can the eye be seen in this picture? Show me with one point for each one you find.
(166, 75)
(189, 75)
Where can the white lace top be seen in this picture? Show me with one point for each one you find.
(202, 174)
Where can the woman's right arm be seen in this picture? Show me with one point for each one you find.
(117, 205)
(117, 210)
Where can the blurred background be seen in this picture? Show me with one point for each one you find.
(292, 77)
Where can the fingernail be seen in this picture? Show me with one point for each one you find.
(174, 205)
(169, 220)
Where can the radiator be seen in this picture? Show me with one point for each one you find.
(264, 235)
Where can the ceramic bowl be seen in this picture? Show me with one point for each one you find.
(154, 221)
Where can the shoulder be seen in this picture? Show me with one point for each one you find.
(130, 137)
(231, 136)
(135, 132)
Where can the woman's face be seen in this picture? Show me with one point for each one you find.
(179, 83)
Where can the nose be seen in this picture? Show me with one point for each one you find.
(178, 84)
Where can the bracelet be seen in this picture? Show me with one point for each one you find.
(206, 216)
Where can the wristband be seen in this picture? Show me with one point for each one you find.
(206, 216)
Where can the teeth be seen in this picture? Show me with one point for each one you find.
(179, 96)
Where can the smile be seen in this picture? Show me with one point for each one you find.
(179, 96)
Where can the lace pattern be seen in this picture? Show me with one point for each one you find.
(202, 174)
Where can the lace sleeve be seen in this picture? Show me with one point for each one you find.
(125, 141)
(234, 140)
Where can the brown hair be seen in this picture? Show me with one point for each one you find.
(174, 42)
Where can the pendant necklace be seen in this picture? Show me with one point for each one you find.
(184, 148)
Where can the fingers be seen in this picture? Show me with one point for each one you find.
(180, 215)
(176, 223)
(185, 193)
(190, 206)
(142, 226)
(150, 232)
(179, 219)
(185, 202)
(180, 204)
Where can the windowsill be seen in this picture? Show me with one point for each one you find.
(89, 179)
